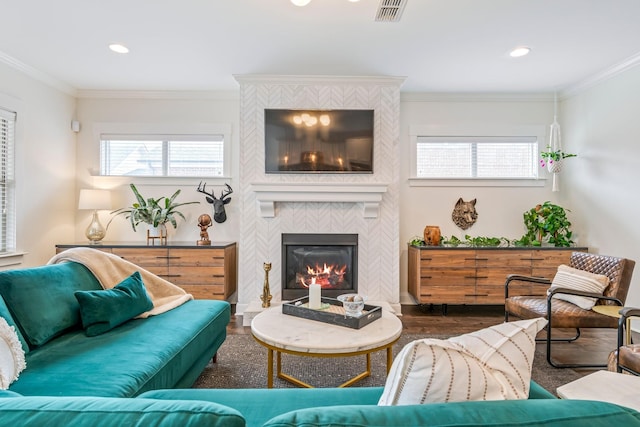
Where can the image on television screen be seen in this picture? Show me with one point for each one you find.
(318, 141)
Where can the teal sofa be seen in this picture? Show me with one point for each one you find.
(351, 407)
(138, 374)
(165, 351)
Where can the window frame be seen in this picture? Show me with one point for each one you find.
(469, 131)
(8, 243)
(142, 131)
(165, 142)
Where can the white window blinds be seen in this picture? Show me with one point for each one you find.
(162, 155)
(477, 157)
(7, 183)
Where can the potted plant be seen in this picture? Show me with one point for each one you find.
(154, 212)
(546, 222)
(552, 159)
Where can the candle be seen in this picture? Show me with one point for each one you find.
(314, 295)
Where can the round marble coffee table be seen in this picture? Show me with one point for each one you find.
(284, 333)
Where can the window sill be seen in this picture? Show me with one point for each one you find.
(9, 259)
(474, 182)
(113, 180)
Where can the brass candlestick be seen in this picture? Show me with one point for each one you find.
(266, 295)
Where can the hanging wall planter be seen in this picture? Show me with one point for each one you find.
(554, 156)
(554, 166)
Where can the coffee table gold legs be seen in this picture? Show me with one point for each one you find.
(299, 383)
(389, 358)
(270, 367)
(286, 377)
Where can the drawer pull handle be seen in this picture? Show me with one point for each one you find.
(170, 275)
(482, 259)
(476, 295)
(426, 277)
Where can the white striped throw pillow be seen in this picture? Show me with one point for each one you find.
(579, 280)
(490, 364)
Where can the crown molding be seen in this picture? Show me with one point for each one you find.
(601, 77)
(476, 97)
(159, 94)
(36, 74)
(318, 79)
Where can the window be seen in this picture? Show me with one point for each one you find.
(484, 157)
(163, 155)
(7, 182)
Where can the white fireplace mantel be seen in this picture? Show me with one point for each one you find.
(369, 194)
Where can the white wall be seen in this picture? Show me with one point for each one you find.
(601, 124)
(499, 209)
(177, 113)
(45, 164)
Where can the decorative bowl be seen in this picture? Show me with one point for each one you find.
(352, 303)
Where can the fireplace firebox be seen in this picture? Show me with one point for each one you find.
(330, 260)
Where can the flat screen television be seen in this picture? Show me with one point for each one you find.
(318, 141)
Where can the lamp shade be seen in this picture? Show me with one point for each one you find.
(94, 199)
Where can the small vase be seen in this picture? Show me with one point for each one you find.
(432, 235)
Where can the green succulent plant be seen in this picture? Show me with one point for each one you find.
(154, 212)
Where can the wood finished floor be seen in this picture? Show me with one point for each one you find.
(593, 346)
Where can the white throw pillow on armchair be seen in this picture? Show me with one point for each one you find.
(579, 280)
(490, 364)
(11, 355)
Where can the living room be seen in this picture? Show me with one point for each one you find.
(53, 162)
(595, 107)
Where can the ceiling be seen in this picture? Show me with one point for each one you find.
(440, 46)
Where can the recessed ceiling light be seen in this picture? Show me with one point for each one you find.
(119, 48)
(520, 51)
(301, 2)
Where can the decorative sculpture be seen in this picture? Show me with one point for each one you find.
(204, 222)
(266, 295)
(219, 214)
(464, 213)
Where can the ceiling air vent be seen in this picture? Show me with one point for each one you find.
(390, 10)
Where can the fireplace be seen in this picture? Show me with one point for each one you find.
(330, 260)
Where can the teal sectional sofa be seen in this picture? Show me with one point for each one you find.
(138, 374)
(331, 407)
(165, 351)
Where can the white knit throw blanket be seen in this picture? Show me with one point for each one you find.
(110, 270)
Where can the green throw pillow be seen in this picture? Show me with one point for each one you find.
(105, 309)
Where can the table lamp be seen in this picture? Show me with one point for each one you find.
(95, 200)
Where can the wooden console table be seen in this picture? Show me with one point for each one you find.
(476, 275)
(206, 272)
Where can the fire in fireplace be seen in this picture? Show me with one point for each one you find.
(330, 260)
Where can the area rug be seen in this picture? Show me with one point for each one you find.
(242, 363)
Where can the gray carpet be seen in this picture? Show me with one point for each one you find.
(242, 363)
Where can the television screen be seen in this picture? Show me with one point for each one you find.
(318, 141)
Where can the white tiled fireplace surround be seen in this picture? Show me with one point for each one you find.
(272, 204)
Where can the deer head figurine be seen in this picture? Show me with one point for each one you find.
(219, 214)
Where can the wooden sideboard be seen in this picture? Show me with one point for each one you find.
(206, 272)
(468, 275)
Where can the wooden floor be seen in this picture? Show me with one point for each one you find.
(593, 346)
